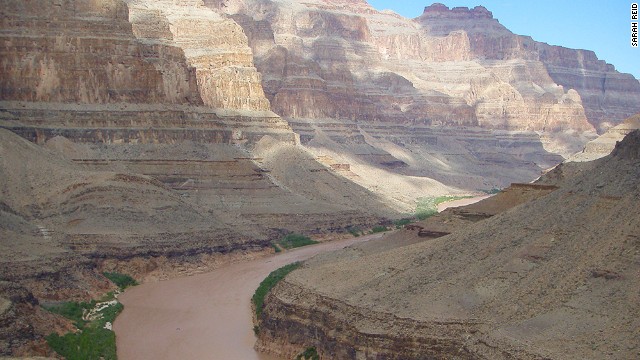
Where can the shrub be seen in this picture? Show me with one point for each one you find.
(402, 222)
(309, 354)
(425, 214)
(268, 283)
(71, 310)
(294, 241)
(492, 191)
(379, 229)
(122, 280)
(355, 231)
(87, 344)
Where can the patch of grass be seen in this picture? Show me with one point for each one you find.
(379, 229)
(71, 310)
(122, 280)
(309, 354)
(428, 206)
(292, 241)
(87, 344)
(268, 283)
(92, 340)
(402, 222)
(492, 191)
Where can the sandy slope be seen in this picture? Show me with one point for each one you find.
(555, 277)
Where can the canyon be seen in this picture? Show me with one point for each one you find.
(166, 138)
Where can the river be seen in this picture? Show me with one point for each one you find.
(205, 316)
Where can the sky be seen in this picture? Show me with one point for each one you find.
(598, 25)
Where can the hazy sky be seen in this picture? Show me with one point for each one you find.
(598, 25)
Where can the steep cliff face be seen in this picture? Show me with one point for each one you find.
(373, 90)
(58, 51)
(345, 60)
(607, 96)
(156, 52)
(214, 47)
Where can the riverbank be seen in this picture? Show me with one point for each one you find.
(203, 316)
(461, 202)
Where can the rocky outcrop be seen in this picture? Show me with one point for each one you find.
(52, 52)
(602, 91)
(215, 48)
(21, 319)
(604, 144)
(521, 284)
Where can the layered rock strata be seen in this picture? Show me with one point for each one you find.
(214, 47)
(64, 220)
(551, 278)
(346, 60)
(344, 71)
(604, 144)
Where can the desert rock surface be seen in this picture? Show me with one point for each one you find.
(554, 277)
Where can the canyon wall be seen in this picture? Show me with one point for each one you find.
(346, 60)
(389, 96)
(85, 52)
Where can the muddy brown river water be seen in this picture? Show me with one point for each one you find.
(206, 316)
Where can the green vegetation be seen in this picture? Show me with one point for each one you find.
(491, 191)
(309, 354)
(94, 338)
(355, 231)
(402, 222)
(294, 241)
(428, 206)
(89, 343)
(379, 229)
(122, 280)
(268, 283)
(71, 310)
